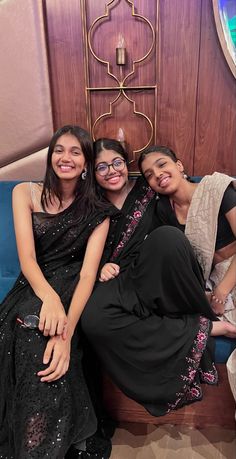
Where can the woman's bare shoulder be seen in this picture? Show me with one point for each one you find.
(27, 187)
(21, 194)
(22, 188)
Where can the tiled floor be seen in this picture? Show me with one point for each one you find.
(139, 441)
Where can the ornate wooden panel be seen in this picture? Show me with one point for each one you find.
(121, 71)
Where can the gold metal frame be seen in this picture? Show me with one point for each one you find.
(121, 85)
(136, 112)
(106, 15)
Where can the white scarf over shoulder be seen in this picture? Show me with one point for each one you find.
(201, 224)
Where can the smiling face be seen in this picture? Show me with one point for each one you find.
(114, 180)
(162, 173)
(68, 161)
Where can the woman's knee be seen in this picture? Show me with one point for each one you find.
(166, 238)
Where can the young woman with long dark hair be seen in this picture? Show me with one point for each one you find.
(60, 227)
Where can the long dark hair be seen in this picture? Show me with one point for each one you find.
(85, 190)
(109, 144)
(156, 149)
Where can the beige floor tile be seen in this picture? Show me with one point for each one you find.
(140, 441)
(228, 445)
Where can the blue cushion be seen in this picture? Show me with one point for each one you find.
(196, 178)
(9, 264)
(223, 348)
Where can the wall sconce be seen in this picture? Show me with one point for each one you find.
(121, 137)
(121, 51)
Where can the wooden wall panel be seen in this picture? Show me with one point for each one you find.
(215, 147)
(66, 60)
(178, 72)
(109, 116)
(193, 109)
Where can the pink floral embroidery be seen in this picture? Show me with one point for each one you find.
(191, 390)
(209, 377)
(139, 210)
(194, 393)
(192, 374)
(137, 214)
(201, 336)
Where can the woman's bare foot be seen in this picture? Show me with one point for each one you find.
(223, 329)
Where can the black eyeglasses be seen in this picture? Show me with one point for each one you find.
(118, 165)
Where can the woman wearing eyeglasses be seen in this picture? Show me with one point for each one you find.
(148, 319)
(134, 198)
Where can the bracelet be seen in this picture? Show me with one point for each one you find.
(217, 300)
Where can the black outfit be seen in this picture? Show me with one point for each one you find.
(39, 420)
(224, 236)
(150, 325)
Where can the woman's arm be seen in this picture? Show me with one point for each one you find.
(228, 282)
(57, 349)
(52, 314)
(88, 274)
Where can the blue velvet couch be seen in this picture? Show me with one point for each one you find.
(9, 270)
(9, 264)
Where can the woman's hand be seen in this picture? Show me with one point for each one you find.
(57, 352)
(52, 318)
(109, 271)
(217, 301)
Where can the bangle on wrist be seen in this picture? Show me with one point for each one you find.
(217, 300)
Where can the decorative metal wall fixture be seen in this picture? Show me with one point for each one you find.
(121, 82)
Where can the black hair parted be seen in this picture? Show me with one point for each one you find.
(167, 151)
(156, 149)
(109, 144)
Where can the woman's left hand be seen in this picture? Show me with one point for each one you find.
(109, 271)
(57, 352)
(218, 301)
(53, 319)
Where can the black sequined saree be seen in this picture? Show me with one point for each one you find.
(39, 420)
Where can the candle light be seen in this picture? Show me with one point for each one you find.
(120, 51)
(121, 137)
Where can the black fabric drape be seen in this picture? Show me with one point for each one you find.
(150, 325)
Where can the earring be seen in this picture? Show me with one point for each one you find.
(84, 174)
(184, 175)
